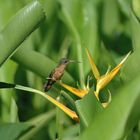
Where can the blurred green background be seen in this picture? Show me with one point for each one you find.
(35, 35)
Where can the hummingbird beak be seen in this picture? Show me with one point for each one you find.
(73, 61)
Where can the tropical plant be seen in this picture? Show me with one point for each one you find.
(102, 35)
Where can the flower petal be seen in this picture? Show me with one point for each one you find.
(68, 111)
(109, 100)
(93, 66)
(78, 92)
(105, 79)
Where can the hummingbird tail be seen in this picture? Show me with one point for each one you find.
(48, 85)
(46, 88)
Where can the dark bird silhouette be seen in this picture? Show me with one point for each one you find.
(57, 73)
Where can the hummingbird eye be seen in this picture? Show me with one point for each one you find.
(65, 61)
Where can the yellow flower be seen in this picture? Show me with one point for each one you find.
(103, 80)
(78, 92)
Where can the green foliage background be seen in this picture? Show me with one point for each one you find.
(35, 35)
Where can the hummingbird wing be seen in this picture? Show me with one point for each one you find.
(58, 72)
(50, 81)
(55, 75)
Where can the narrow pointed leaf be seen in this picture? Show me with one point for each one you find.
(6, 85)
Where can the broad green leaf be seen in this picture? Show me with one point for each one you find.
(7, 72)
(71, 132)
(119, 118)
(132, 66)
(88, 108)
(110, 19)
(12, 131)
(19, 28)
(136, 7)
(7, 9)
(125, 6)
(13, 111)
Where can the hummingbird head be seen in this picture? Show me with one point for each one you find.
(64, 61)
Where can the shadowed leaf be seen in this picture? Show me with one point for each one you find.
(12, 131)
(6, 85)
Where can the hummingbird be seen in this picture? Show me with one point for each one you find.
(57, 73)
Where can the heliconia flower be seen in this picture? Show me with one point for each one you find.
(102, 81)
(68, 111)
(78, 92)
(82, 92)
(105, 104)
(93, 66)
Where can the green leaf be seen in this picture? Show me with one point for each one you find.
(19, 28)
(132, 66)
(12, 131)
(39, 122)
(7, 72)
(6, 85)
(110, 19)
(88, 108)
(125, 6)
(136, 7)
(119, 118)
(13, 111)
